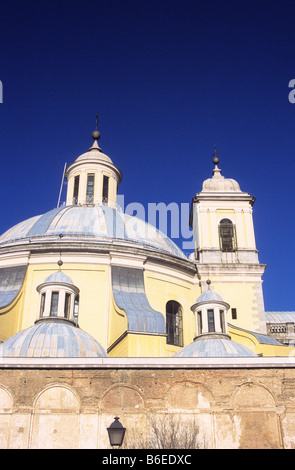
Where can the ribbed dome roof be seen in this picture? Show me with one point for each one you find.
(94, 154)
(59, 276)
(52, 338)
(99, 223)
(95, 151)
(208, 296)
(219, 183)
(214, 347)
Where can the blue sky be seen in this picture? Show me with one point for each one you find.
(169, 80)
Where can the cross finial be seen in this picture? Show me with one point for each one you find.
(96, 125)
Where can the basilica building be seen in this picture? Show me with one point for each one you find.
(101, 315)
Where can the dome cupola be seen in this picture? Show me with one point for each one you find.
(54, 333)
(210, 313)
(93, 178)
(212, 338)
(57, 297)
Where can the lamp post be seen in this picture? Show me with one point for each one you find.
(116, 433)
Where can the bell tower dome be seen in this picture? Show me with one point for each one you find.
(93, 178)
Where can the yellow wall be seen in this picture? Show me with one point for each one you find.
(241, 295)
(94, 297)
(140, 345)
(161, 287)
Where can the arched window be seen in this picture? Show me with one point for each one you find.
(174, 323)
(227, 235)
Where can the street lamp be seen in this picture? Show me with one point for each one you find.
(116, 433)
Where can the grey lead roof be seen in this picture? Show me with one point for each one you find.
(57, 338)
(11, 281)
(280, 317)
(214, 347)
(99, 222)
(129, 294)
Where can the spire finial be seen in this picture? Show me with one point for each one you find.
(95, 136)
(96, 133)
(216, 172)
(215, 159)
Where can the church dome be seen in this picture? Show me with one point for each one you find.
(100, 223)
(52, 338)
(215, 347)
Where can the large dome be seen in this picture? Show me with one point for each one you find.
(99, 223)
(52, 338)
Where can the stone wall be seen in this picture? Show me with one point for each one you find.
(72, 407)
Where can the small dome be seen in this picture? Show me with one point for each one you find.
(219, 183)
(52, 338)
(58, 277)
(209, 296)
(94, 153)
(215, 347)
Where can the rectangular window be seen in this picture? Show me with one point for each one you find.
(54, 304)
(67, 305)
(76, 189)
(76, 309)
(90, 188)
(105, 188)
(42, 305)
(211, 324)
(199, 317)
(234, 313)
(222, 322)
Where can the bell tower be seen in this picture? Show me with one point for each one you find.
(225, 248)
